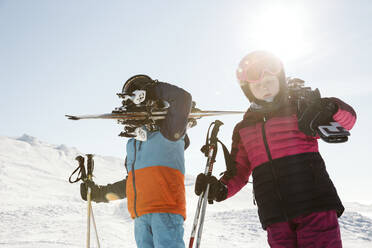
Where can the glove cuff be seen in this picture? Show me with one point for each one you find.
(329, 105)
(222, 192)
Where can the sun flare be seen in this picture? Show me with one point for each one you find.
(281, 30)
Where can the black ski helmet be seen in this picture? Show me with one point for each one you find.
(252, 69)
(137, 82)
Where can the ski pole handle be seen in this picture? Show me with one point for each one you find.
(90, 166)
(215, 130)
(213, 146)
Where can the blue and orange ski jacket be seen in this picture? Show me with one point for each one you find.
(156, 167)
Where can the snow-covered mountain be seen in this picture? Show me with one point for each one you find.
(40, 208)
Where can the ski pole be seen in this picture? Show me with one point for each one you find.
(197, 215)
(89, 200)
(95, 227)
(211, 160)
(86, 176)
(90, 168)
(210, 151)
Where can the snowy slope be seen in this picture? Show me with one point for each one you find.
(40, 208)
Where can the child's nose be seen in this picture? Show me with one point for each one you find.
(264, 86)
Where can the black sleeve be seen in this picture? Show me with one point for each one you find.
(118, 189)
(175, 123)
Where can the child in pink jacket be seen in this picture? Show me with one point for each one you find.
(297, 202)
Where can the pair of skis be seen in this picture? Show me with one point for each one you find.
(133, 120)
(137, 111)
(153, 115)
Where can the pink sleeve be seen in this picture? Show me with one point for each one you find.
(243, 171)
(345, 115)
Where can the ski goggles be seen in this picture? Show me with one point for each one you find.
(253, 68)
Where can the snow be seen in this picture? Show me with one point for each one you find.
(40, 208)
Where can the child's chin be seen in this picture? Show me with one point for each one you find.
(269, 99)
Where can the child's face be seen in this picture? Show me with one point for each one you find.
(266, 89)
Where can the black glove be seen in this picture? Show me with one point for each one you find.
(104, 193)
(217, 190)
(318, 113)
(96, 192)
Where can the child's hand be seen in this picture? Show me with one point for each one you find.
(217, 190)
(96, 192)
(318, 113)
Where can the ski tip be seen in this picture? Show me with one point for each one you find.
(72, 117)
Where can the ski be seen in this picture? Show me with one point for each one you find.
(144, 115)
(136, 112)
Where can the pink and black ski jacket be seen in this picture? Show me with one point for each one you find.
(289, 174)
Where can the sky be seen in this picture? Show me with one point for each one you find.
(73, 56)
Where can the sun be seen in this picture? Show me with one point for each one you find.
(282, 30)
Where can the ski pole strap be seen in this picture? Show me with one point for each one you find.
(230, 168)
(80, 169)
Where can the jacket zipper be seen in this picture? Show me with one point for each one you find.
(134, 179)
(265, 141)
(271, 164)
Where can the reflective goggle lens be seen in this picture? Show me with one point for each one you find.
(253, 69)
